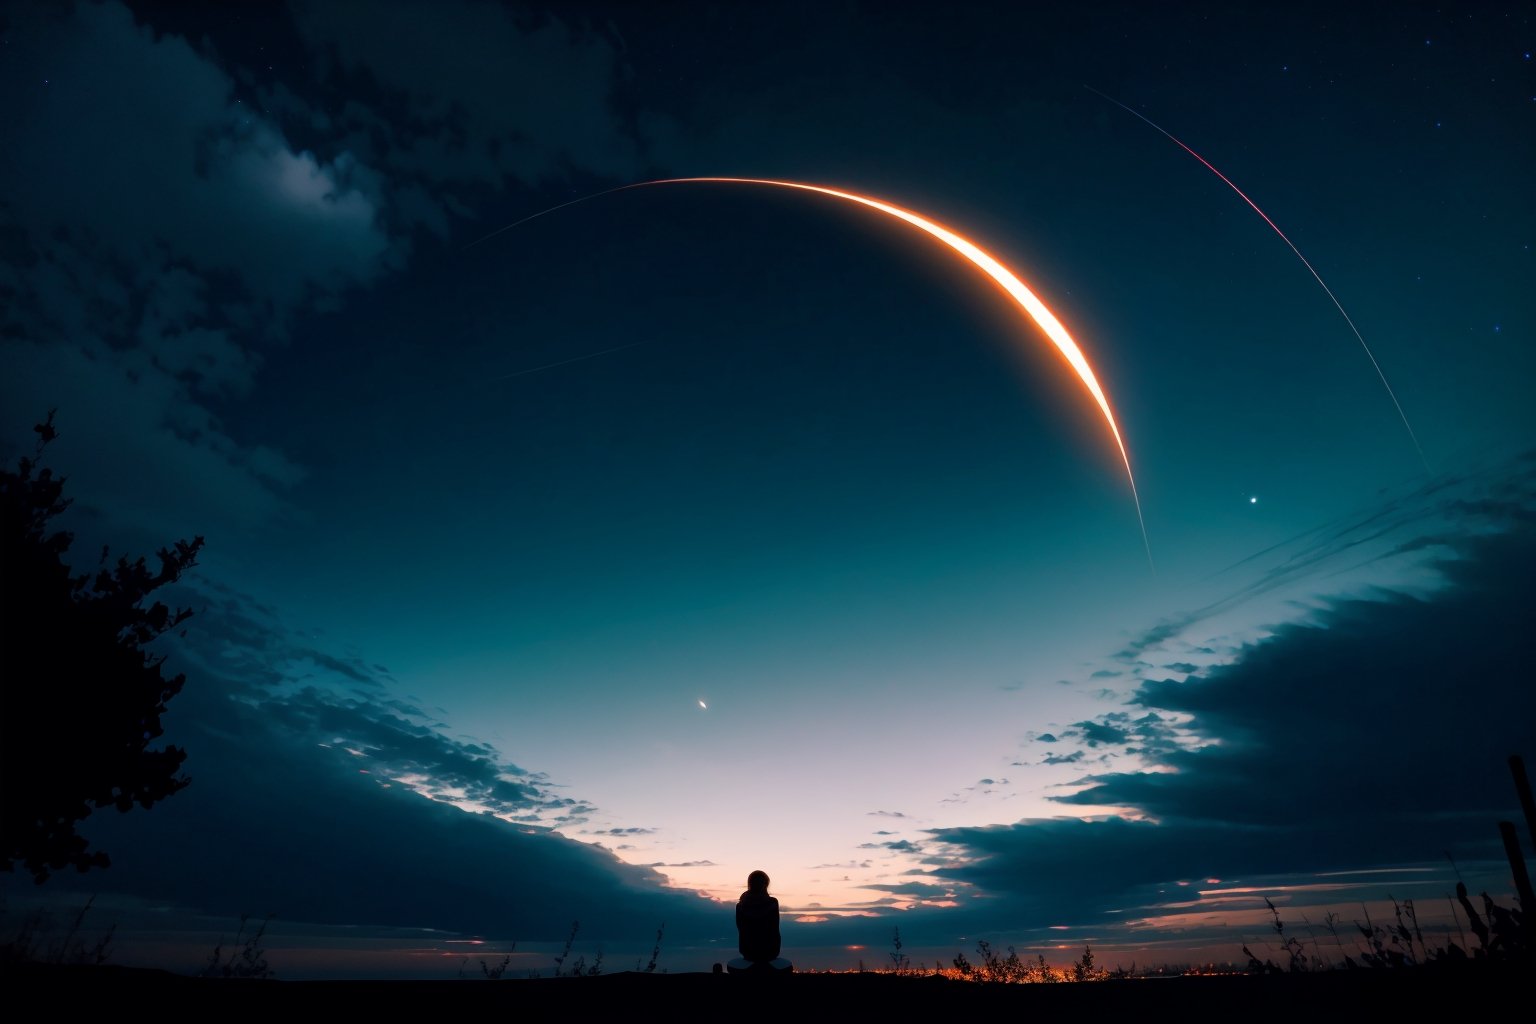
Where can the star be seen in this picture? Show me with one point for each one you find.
(1253, 501)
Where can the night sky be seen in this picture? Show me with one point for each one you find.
(577, 572)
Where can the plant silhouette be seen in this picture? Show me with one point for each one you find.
(81, 697)
(246, 960)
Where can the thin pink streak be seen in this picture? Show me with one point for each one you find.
(1380, 373)
(1240, 192)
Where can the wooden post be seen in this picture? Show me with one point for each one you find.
(1522, 877)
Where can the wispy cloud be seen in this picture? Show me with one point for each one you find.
(312, 795)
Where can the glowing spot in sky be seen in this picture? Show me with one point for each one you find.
(703, 705)
(1253, 501)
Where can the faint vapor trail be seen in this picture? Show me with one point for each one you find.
(1310, 269)
(552, 209)
(988, 264)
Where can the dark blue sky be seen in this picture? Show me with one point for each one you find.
(816, 474)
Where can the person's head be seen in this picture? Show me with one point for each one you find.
(757, 881)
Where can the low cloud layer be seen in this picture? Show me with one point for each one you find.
(1373, 733)
(320, 794)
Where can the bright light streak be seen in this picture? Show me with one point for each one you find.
(1310, 269)
(703, 705)
(1006, 279)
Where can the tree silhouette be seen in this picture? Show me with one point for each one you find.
(80, 697)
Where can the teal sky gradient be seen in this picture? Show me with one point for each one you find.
(823, 477)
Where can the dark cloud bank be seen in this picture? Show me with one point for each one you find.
(1373, 734)
(321, 796)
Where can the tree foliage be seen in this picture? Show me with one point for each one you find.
(80, 696)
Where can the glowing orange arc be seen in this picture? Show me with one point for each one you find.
(1005, 278)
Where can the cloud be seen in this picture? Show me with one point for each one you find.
(684, 864)
(1148, 733)
(159, 246)
(899, 845)
(153, 252)
(1371, 733)
(339, 808)
(912, 900)
(1357, 687)
(1102, 732)
(165, 218)
(1373, 536)
(354, 669)
(166, 165)
(477, 95)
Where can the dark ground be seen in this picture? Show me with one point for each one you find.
(73, 992)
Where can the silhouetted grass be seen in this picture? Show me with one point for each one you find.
(650, 967)
(579, 969)
(1501, 933)
(35, 943)
(246, 959)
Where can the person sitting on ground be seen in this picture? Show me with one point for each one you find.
(757, 921)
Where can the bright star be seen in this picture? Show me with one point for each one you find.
(1253, 501)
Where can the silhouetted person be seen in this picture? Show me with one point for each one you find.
(757, 921)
